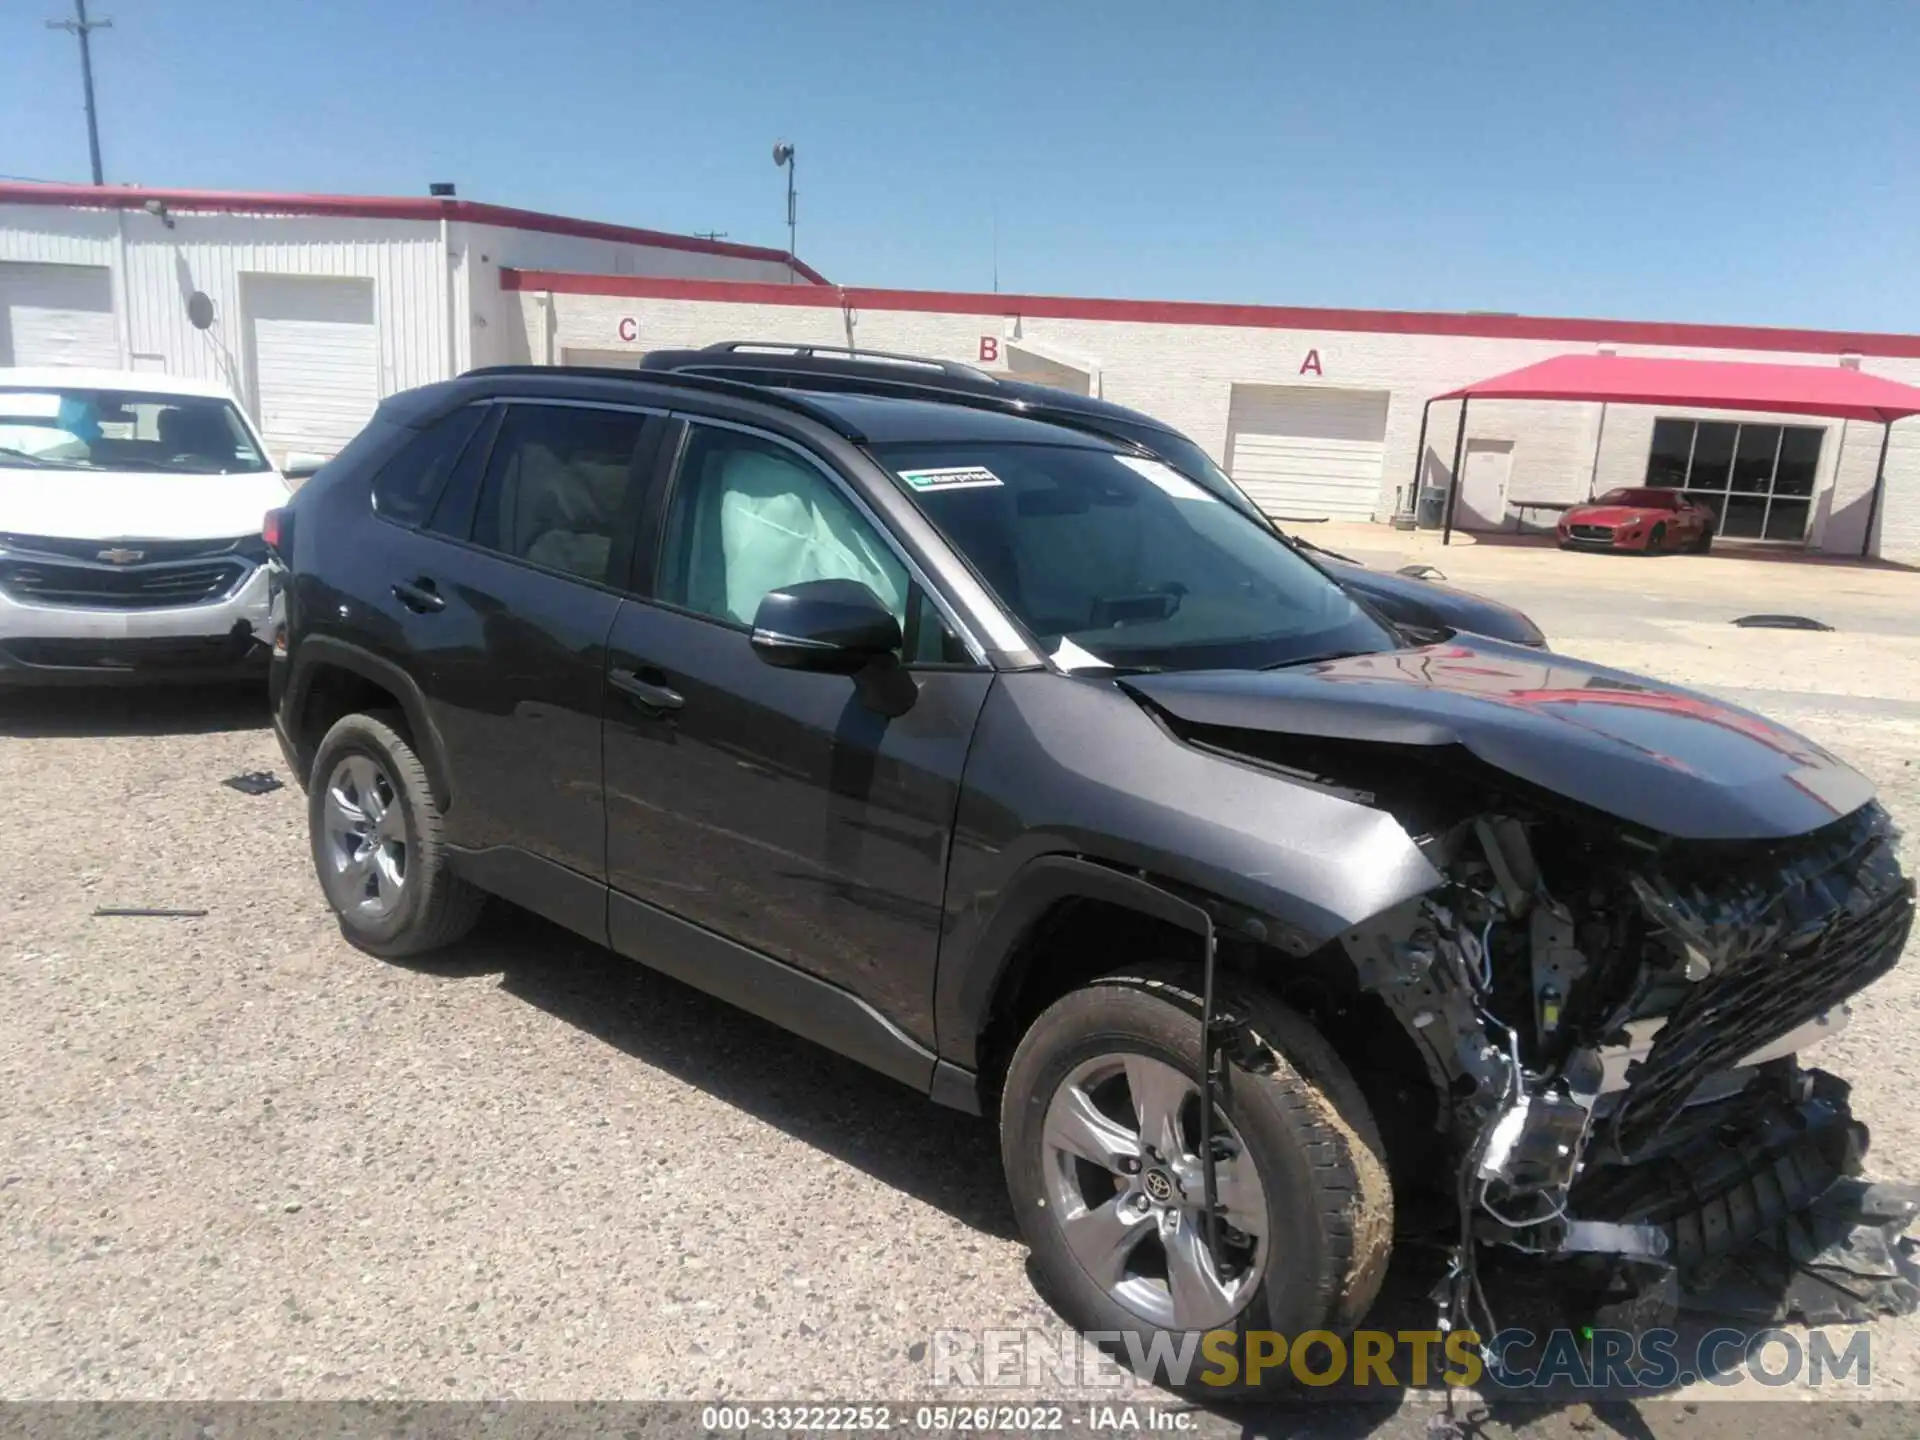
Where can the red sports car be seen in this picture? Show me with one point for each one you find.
(1643, 519)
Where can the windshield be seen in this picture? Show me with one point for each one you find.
(1117, 560)
(1194, 463)
(84, 429)
(1646, 499)
(1191, 461)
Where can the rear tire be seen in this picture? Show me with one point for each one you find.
(1705, 542)
(1316, 1251)
(373, 825)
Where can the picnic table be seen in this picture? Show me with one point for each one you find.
(1520, 508)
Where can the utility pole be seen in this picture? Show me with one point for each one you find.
(710, 234)
(783, 157)
(84, 28)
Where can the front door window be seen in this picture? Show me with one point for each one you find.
(750, 516)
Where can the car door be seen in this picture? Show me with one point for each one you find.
(772, 807)
(510, 593)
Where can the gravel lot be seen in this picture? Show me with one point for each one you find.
(239, 1159)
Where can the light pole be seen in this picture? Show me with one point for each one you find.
(83, 27)
(783, 156)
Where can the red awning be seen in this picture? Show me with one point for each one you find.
(1706, 384)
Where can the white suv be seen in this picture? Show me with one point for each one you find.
(130, 515)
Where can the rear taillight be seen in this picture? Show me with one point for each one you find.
(277, 531)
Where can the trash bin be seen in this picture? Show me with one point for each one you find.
(1433, 509)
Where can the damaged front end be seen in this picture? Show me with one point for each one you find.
(1617, 1018)
(1648, 904)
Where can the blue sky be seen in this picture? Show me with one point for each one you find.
(1736, 162)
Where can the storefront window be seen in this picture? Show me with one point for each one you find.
(1757, 478)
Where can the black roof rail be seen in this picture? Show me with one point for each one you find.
(712, 384)
(1085, 421)
(888, 386)
(884, 357)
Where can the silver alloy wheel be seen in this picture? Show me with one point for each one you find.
(366, 839)
(1123, 1178)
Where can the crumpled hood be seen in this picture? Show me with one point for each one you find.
(1654, 755)
(135, 505)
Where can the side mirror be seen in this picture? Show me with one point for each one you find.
(835, 627)
(301, 466)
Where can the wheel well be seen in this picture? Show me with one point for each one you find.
(1073, 942)
(1374, 1044)
(1079, 940)
(332, 692)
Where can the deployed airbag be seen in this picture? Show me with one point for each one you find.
(782, 523)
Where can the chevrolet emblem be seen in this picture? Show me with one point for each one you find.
(120, 556)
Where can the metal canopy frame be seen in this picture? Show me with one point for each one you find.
(1702, 401)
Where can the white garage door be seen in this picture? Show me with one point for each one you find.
(57, 315)
(1304, 453)
(603, 359)
(315, 357)
(1039, 370)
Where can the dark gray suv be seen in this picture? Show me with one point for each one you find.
(1010, 761)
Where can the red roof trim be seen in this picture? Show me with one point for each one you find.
(1702, 384)
(660, 287)
(1261, 317)
(384, 207)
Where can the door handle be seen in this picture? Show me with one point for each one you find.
(419, 596)
(654, 697)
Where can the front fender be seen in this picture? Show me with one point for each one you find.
(1074, 769)
(1039, 886)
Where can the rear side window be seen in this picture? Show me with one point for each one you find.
(404, 490)
(557, 484)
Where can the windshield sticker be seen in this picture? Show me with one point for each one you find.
(1171, 481)
(954, 477)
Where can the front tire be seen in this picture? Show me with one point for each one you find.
(374, 828)
(1099, 1127)
(1658, 539)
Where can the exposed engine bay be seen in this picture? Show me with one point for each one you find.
(1616, 1021)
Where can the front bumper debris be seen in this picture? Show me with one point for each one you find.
(1844, 1260)
(1762, 1211)
(1670, 1153)
(1758, 1212)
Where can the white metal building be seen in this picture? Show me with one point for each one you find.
(1318, 412)
(322, 304)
